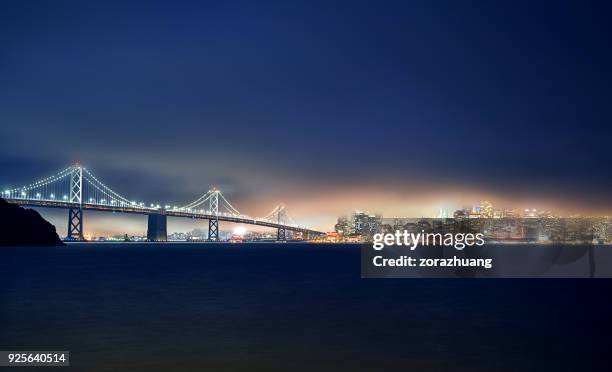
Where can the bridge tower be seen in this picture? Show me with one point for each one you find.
(281, 233)
(213, 223)
(157, 227)
(75, 214)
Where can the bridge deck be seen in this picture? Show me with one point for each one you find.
(167, 212)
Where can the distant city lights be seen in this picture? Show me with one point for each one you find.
(240, 230)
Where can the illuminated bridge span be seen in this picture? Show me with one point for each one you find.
(76, 189)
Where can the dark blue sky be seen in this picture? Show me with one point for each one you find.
(267, 99)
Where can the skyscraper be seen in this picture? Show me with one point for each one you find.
(486, 209)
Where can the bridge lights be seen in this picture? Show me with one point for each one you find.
(52, 196)
(38, 195)
(65, 197)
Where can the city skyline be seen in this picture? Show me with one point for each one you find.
(400, 110)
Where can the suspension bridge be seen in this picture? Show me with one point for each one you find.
(77, 189)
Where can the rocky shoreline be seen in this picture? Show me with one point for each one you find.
(25, 227)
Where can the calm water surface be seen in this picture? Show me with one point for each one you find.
(194, 307)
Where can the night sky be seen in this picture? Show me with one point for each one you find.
(394, 107)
